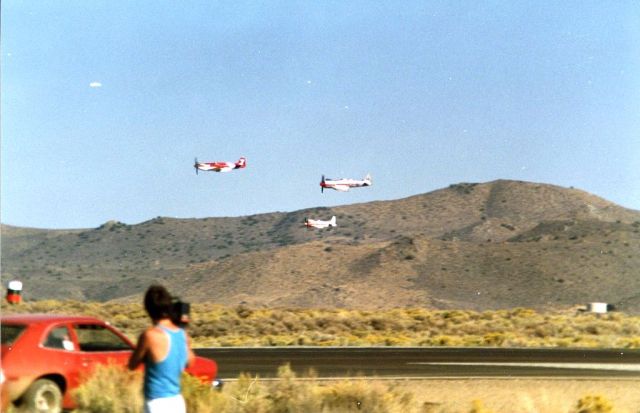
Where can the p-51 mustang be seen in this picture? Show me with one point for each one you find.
(220, 166)
(316, 223)
(344, 184)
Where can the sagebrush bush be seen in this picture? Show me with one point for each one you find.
(113, 389)
(362, 396)
(200, 397)
(594, 404)
(110, 389)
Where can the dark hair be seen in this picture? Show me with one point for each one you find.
(157, 302)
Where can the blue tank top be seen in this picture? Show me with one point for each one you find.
(163, 379)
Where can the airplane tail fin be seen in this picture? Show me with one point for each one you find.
(242, 163)
(333, 221)
(367, 179)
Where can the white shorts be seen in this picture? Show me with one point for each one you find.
(173, 404)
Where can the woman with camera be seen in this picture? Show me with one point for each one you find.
(165, 350)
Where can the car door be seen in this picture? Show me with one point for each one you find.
(60, 356)
(98, 344)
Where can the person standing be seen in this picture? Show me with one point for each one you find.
(165, 350)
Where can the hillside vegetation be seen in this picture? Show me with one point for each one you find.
(489, 246)
(214, 325)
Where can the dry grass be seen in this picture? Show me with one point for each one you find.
(529, 395)
(214, 325)
(110, 389)
(114, 390)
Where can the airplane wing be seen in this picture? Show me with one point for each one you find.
(341, 188)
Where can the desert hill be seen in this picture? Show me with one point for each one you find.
(474, 246)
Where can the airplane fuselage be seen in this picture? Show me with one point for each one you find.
(316, 223)
(344, 184)
(220, 166)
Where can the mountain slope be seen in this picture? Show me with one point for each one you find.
(560, 270)
(491, 245)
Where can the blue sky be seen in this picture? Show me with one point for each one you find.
(105, 104)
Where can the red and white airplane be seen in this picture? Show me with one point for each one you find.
(220, 166)
(316, 223)
(344, 184)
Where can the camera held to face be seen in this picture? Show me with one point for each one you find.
(180, 312)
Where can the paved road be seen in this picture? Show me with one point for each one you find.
(426, 362)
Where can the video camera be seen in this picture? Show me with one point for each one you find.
(180, 312)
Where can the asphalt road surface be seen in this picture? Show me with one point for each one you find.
(426, 362)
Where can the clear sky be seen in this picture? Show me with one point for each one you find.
(105, 104)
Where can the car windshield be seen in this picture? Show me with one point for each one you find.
(10, 333)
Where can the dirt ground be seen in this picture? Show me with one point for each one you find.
(524, 395)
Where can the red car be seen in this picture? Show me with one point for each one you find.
(45, 356)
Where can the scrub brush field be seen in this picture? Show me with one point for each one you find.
(214, 325)
(112, 389)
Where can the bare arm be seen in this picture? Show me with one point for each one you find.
(191, 358)
(140, 352)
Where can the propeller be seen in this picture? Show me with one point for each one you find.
(321, 185)
(195, 165)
